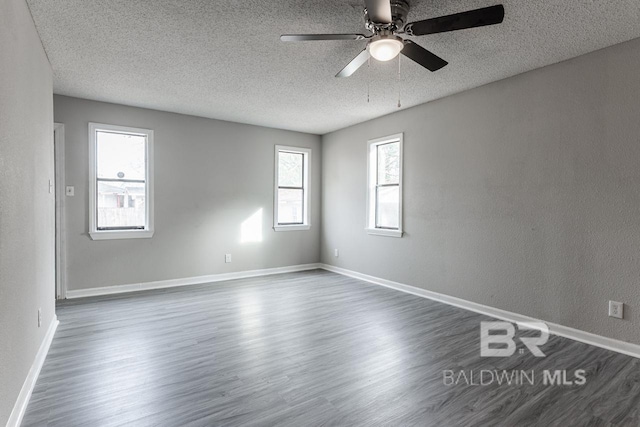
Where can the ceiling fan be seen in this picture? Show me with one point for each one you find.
(385, 19)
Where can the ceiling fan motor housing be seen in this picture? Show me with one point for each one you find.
(399, 12)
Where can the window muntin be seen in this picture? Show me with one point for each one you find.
(291, 202)
(384, 208)
(120, 187)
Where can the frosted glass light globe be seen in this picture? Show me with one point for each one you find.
(385, 48)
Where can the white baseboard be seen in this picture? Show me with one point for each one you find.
(20, 407)
(623, 347)
(119, 289)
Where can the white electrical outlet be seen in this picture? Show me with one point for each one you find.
(616, 309)
(336, 253)
(39, 317)
(227, 258)
(71, 191)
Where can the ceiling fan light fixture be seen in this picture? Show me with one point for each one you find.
(385, 48)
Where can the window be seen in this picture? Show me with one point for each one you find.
(384, 205)
(291, 200)
(120, 187)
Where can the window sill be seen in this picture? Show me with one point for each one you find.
(382, 232)
(291, 227)
(116, 234)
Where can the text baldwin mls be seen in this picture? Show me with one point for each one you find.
(485, 377)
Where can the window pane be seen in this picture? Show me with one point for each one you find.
(120, 155)
(290, 206)
(290, 169)
(388, 207)
(389, 163)
(121, 204)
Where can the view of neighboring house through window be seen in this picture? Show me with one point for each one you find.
(120, 181)
(385, 186)
(291, 205)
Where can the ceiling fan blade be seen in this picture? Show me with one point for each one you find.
(422, 56)
(311, 37)
(379, 11)
(459, 21)
(355, 63)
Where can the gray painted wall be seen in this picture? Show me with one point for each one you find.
(523, 194)
(26, 207)
(210, 176)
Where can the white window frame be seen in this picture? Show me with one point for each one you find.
(372, 172)
(306, 185)
(94, 233)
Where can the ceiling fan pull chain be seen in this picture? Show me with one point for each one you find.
(368, 77)
(399, 104)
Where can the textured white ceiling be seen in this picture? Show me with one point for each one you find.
(224, 60)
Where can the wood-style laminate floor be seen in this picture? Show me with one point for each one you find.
(306, 349)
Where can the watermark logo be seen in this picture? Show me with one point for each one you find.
(495, 344)
(498, 339)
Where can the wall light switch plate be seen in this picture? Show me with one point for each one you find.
(70, 191)
(227, 258)
(616, 309)
(336, 253)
